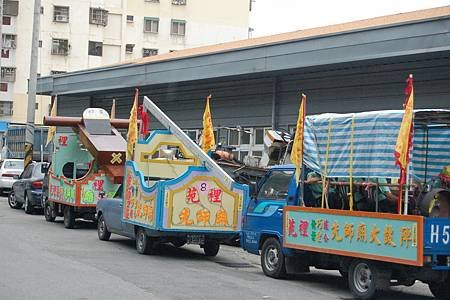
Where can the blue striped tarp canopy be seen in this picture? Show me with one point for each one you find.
(374, 138)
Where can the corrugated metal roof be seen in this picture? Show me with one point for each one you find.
(382, 21)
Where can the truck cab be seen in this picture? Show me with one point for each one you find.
(263, 215)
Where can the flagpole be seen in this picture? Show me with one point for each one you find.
(405, 206)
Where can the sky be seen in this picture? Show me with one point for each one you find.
(277, 16)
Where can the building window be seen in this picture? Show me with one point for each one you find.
(178, 27)
(179, 2)
(8, 74)
(149, 52)
(130, 18)
(3, 87)
(154, 1)
(98, 16)
(5, 53)
(129, 48)
(242, 155)
(9, 41)
(36, 106)
(11, 8)
(151, 25)
(233, 138)
(6, 108)
(245, 137)
(95, 48)
(61, 14)
(259, 135)
(53, 72)
(42, 10)
(60, 47)
(40, 43)
(6, 20)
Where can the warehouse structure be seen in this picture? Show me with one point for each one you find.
(255, 83)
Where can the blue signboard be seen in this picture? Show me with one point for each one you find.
(380, 236)
(437, 236)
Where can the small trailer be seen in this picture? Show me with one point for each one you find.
(173, 192)
(371, 245)
(87, 164)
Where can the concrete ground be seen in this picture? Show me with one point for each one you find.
(41, 260)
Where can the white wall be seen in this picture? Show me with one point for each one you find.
(208, 22)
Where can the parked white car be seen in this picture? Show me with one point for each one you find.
(9, 171)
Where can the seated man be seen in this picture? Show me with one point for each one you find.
(314, 180)
(365, 196)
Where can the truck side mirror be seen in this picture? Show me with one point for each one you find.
(252, 190)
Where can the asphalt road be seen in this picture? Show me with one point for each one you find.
(41, 260)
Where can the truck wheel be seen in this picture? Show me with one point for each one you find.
(211, 247)
(29, 209)
(440, 290)
(13, 202)
(103, 233)
(272, 259)
(69, 217)
(144, 244)
(363, 277)
(48, 212)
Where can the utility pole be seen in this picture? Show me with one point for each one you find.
(29, 134)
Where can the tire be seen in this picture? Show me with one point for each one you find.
(102, 230)
(363, 278)
(211, 248)
(69, 217)
(440, 290)
(29, 209)
(144, 244)
(48, 212)
(13, 202)
(272, 259)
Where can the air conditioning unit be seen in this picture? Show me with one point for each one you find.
(179, 2)
(61, 18)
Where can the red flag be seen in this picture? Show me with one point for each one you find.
(143, 116)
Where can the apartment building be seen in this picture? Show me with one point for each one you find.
(82, 34)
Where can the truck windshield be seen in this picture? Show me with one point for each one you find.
(276, 186)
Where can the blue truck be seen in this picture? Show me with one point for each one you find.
(374, 247)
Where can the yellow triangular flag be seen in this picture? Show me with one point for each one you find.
(208, 141)
(113, 109)
(297, 147)
(132, 128)
(52, 129)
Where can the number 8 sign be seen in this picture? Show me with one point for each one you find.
(203, 187)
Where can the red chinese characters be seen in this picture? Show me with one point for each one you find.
(98, 185)
(291, 228)
(215, 195)
(62, 140)
(303, 227)
(192, 195)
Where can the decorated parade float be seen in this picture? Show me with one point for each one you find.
(87, 164)
(173, 191)
(367, 194)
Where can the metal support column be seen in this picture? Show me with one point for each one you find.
(274, 102)
(29, 134)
